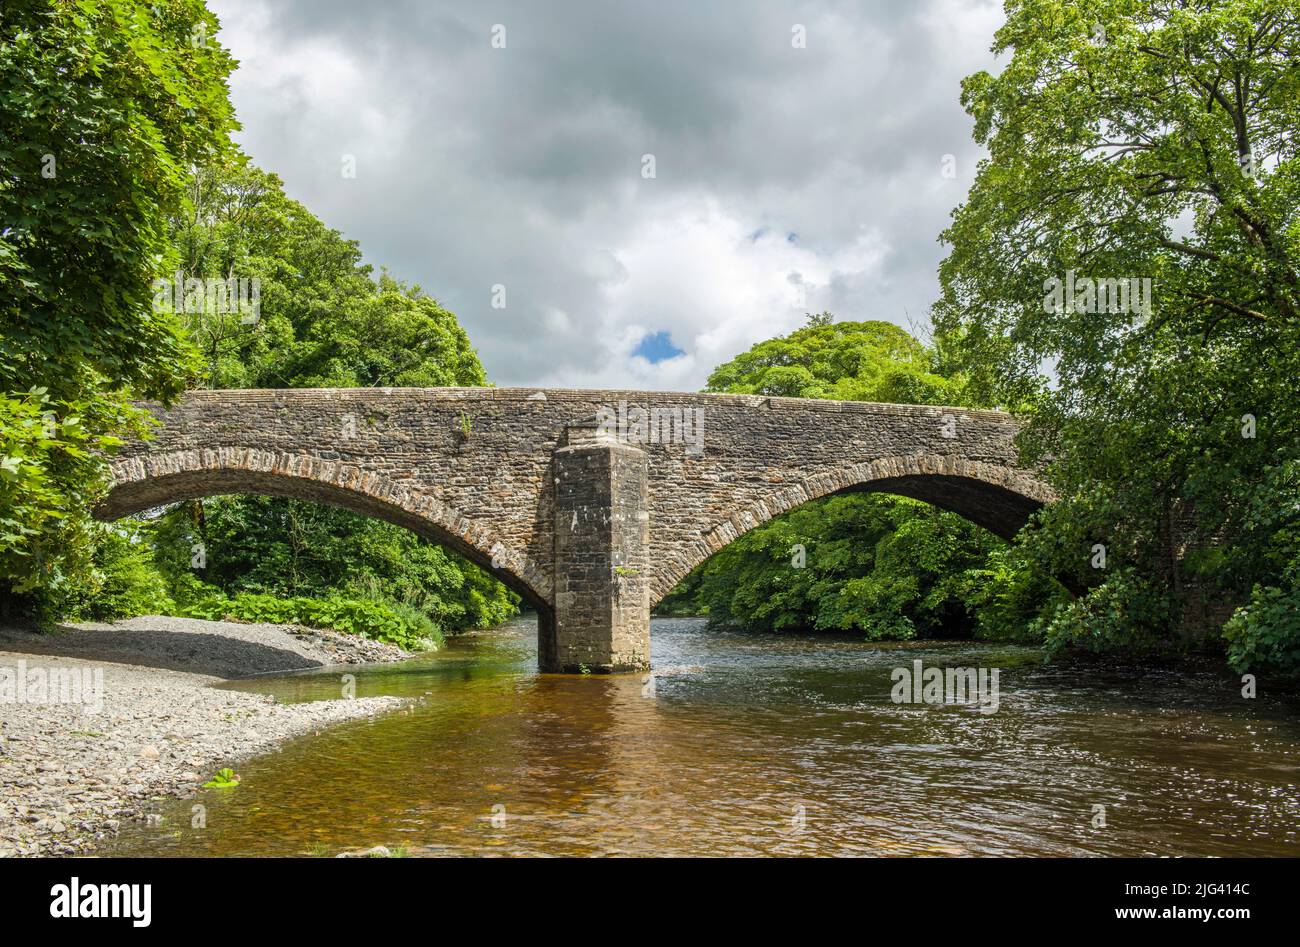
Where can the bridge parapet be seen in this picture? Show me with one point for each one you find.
(497, 474)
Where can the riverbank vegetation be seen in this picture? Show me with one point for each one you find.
(1126, 143)
(886, 566)
(1124, 275)
(112, 195)
(94, 143)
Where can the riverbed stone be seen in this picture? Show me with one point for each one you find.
(64, 793)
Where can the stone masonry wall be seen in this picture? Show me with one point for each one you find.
(602, 603)
(474, 468)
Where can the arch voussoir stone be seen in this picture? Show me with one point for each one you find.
(884, 474)
(591, 526)
(141, 482)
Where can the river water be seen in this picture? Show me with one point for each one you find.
(747, 745)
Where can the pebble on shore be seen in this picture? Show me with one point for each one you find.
(69, 778)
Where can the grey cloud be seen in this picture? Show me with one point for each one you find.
(523, 166)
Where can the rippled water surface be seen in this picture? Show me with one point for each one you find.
(744, 745)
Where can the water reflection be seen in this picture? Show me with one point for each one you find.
(757, 745)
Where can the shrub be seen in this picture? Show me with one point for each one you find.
(1265, 633)
(121, 582)
(402, 625)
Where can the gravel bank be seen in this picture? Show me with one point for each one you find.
(72, 772)
(221, 648)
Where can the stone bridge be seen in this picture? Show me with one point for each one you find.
(591, 505)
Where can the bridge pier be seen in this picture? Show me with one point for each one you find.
(602, 557)
(556, 509)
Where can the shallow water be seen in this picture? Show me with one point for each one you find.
(745, 745)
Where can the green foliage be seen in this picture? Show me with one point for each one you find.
(849, 361)
(323, 321)
(224, 779)
(1263, 633)
(277, 546)
(50, 476)
(885, 566)
(103, 106)
(123, 580)
(381, 621)
(1132, 140)
(1121, 614)
(37, 450)
(1010, 595)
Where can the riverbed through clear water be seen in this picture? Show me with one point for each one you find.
(760, 745)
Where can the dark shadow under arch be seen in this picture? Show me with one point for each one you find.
(156, 480)
(998, 498)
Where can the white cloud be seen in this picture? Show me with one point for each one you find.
(522, 166)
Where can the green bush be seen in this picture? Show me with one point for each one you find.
(1126, 613)
(51, 474)
(406, 627)
(121, 581)
(1265, 633)
(300, 549)
(889, 567)
(1011, 596)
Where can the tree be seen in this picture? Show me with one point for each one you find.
(1132, 140)
(851, 361)
(103, 107)
(322, 321)
(886, 566)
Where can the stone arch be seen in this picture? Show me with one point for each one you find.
(999, 498)
(150, 480)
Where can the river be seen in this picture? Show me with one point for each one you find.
(748, 745)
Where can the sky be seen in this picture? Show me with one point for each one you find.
(623, 195)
